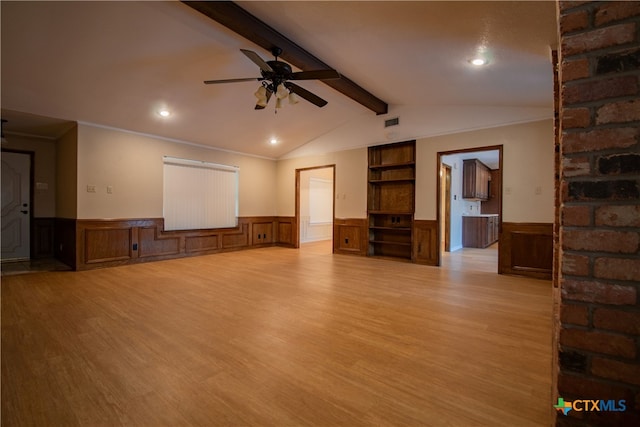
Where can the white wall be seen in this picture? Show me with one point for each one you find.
(350, 184)
(132, 164)
(458, 205)
(527, 165)
(66, 159)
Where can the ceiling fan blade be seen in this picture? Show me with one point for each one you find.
(257, 60)
(303, 93)
(249, 79)
(315, 75)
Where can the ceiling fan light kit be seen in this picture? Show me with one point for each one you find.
(275, 80)
(282, 92)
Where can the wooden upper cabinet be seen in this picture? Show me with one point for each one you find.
(492, 206)
(475, 180)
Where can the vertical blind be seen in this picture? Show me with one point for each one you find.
(320, 201)
(199, 195)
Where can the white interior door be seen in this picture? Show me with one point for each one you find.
(16, 168)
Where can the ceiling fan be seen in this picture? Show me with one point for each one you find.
(275, 80)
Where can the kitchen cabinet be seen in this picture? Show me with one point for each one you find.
(391, 199)
(480, 231)
(475, 180)
(492, 206)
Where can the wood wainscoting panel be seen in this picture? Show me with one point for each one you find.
(193, 244)
(107, 244)
(526, 249)
(286, 227)
(150, 245)
(236, 238)
(425, 242)
(350, 236)
(87, 244)
(65, 241)
(262, 233)
(42, 237)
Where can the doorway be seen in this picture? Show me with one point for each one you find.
(315, 189)
(16, 205)
(445, 206)
(470, 225)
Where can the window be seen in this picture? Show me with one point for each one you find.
(320, 201)
(199, 195)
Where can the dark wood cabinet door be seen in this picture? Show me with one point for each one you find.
(475, 180)
(479, 231)
(468, 180)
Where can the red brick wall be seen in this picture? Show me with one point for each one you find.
(599, 316)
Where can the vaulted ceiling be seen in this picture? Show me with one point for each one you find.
(116, 64)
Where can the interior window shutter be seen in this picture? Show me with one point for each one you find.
(199, 195)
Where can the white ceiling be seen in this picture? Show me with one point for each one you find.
(116, 63)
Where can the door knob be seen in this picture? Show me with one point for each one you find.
(24, 212)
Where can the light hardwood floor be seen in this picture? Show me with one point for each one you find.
(276, 337)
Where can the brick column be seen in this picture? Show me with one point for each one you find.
(599, 258)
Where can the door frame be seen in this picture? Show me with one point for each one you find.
(297, 217)
(439, 189)
(447, 207)
(31, 155)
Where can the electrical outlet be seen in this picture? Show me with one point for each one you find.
(109, 189)
(91, 188)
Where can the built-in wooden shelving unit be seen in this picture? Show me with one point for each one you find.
(391, 199)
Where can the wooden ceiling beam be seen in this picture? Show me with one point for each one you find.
(253, 29)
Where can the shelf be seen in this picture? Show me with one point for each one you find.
(396, 180)
(393, 165)
(388, 242)
(389, 212)
(375, 227)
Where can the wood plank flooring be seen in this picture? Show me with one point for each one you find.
(275, 337)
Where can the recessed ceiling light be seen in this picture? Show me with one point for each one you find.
(273, 141)
(478, 62)
(164, 113)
